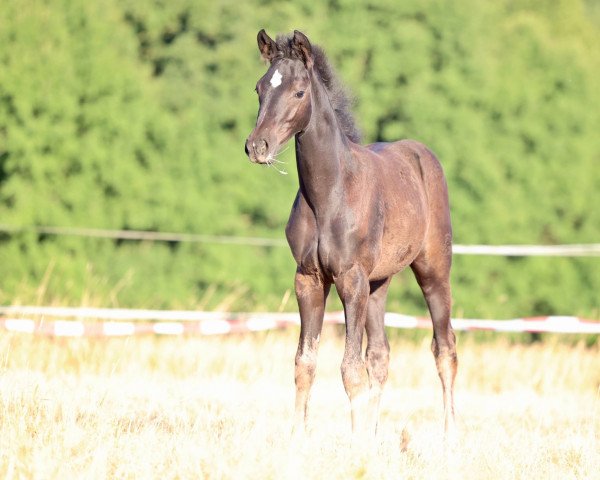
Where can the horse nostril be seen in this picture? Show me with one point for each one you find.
(246, 148)
(261, 147)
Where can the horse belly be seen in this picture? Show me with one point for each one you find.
(403, 234)
(394, 258)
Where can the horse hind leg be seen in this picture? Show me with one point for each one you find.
(378, 349)
(433, 275)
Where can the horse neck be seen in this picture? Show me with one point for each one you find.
(322, 150)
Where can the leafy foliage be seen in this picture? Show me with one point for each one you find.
(132, 115)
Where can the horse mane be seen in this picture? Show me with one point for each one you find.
(341, 101)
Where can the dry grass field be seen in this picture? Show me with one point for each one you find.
(221, 408)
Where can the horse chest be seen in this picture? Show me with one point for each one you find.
(328, 248)
(334, 245)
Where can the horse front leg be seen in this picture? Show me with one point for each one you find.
(311, 293)
(353, 289)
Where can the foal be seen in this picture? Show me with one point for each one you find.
(362, 214)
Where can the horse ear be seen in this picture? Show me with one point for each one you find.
(302, 46)
(266, 45)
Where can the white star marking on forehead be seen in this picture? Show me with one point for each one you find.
(276, 79)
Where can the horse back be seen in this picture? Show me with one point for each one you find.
(409, 161)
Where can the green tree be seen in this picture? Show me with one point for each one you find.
(133, 115)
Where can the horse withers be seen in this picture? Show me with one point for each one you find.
(362, 214)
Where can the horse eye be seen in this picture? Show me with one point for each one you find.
(299, 94)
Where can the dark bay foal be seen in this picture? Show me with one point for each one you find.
(362, 214)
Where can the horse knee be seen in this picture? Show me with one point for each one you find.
(306, 366)
(378, 360)
(354, 376)
(305, 285)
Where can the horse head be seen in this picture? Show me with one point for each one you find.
(284, 95)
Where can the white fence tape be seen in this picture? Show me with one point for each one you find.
(588, 250)
(123, 322)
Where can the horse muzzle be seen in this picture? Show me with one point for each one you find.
(258, 150)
